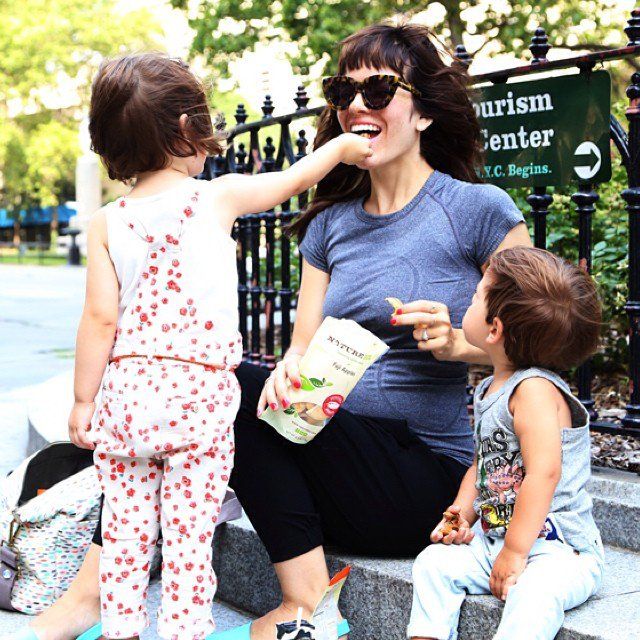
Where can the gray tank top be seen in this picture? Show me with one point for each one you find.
(501, 469)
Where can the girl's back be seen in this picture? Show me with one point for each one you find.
(177, 276)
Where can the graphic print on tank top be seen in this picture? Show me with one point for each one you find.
(499, 477)
(164, 317)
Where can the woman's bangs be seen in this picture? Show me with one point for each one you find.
(375, 52)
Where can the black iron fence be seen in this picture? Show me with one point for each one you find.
(268, 261)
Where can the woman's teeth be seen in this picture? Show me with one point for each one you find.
(366, 130)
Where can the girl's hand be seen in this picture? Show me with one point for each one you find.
(276, 387)
(355, 149)
(463, 535)
(506, 571)
(80, 424)
(432, 317)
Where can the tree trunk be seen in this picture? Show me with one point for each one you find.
(454, 22)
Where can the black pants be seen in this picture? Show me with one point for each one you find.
(365, 485)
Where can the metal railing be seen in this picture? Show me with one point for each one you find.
(267, 286)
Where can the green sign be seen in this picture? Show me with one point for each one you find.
(546, 132)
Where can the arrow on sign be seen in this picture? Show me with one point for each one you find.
(589, 152)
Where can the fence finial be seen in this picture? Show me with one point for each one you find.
(301, 144)
(539, 46)
(633, 28)
(241, 158)
(462, 56)
(301, 98)
(241, 114)
(267, 106)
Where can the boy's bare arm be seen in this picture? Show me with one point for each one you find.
(534, 405)
(467, 494)
(535, 416)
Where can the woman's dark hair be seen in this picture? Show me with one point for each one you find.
(136, 104)
(451, 144)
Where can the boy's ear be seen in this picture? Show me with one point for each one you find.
(497, 331)
(183, 122)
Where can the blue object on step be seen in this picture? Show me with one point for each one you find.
(244, 632)
(239, 633)
(91, 634)
(26, 633)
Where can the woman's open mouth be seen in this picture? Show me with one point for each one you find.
(369, 131)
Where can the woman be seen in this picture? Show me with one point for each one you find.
(412, 222)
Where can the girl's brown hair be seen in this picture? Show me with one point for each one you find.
(549, 308)
(451, 144)
(136, 104)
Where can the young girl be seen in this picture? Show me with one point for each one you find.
(536, 545)
(159, 329)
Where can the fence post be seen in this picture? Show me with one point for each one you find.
(268, 358)
(632, 198)
(585, 199)
(539, 200)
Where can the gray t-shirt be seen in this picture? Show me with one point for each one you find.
(431, 249)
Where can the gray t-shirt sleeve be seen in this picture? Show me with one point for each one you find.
(496, 215)
(313, 245)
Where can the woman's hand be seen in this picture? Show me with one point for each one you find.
(463, 535)
(80, 424)
(276, 388)
(432, 326)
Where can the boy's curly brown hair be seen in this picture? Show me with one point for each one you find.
(549, 308)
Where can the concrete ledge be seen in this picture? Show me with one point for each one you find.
(377, 598)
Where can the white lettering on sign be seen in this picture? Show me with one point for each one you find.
(521, 139)
(510, 107)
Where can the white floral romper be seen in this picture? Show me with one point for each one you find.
(164, 427)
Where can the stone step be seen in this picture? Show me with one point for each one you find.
(616, 494)
(377, 596)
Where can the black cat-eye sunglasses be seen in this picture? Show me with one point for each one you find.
(377, 90)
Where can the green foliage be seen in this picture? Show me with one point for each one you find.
(226, 28)
(50, 48)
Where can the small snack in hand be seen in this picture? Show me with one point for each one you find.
(395, 303)
(451, 523)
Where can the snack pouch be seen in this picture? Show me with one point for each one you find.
(338, 355)
(325, 616)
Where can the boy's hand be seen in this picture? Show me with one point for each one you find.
(453, 528)
(80, 424)
(355, 148)
(506, 571)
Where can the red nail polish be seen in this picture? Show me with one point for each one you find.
(393, 321)
(273, 406)
(399, 312)
(285, 403)
(296, 384)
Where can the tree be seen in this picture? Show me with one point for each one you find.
(225, 28)
(49, 52)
